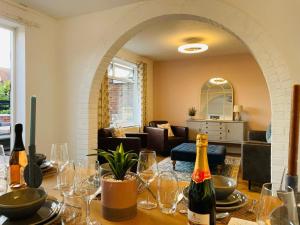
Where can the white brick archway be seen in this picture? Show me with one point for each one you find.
(216, 13)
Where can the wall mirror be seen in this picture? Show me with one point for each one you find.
(217, 99)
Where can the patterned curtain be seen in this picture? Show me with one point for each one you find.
(142, 77)
(103, 110)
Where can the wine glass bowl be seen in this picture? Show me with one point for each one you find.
(59, 156)
(87, 185)
(277, 205)
(167, 192)
(67, 179)
(147, 170)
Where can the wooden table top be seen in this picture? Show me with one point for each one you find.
(144, 217)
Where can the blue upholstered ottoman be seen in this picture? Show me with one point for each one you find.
(187, 152)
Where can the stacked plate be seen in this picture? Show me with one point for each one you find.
(234, 201)
(47, 214)
(47, 168)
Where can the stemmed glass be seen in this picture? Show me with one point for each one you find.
(69, 213)
(67, 179)
(58, 158)
(87, 185)
(147, 170)
(277, 206)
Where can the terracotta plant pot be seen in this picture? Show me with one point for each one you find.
(118, 197)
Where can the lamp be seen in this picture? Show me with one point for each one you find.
(192, 48)
(237, 109)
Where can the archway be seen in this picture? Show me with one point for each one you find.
(229, 18)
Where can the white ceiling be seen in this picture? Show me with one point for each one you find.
(160, 41)
(68, 8)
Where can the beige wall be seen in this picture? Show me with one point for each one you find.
(40, 74)
(177, 87)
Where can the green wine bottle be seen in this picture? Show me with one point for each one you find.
(202, 200)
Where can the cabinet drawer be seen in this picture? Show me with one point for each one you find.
(216, 137)
(214, 128)
(210, 123)
(215, 133)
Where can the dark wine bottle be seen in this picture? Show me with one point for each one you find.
(18, 160)
(202, 200)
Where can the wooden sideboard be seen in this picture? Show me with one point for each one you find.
(219, 131)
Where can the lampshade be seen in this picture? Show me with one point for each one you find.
(237, 108)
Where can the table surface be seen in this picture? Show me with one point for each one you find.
(144, 217)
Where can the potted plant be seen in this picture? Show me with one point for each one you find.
(192, 112)
(119, 188)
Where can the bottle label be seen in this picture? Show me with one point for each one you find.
(195, 218)
(199, 176)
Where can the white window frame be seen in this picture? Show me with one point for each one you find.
(18, 92)
(137, 104)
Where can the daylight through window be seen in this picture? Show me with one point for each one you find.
(124, 97)
(6, 49)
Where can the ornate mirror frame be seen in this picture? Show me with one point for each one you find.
(217, 99)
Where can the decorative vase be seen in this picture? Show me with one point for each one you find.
(192, 117)
(119, 197)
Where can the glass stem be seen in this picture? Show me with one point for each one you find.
(87, 207)
(148, 186)
(57, 180)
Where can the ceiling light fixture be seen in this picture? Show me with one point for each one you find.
(192, 48)
(217, 81)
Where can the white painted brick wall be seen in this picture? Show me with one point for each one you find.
(240, 24)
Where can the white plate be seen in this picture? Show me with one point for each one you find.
(45, 164)
(243, 200)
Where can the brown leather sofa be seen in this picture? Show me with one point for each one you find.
(106, 141)
(158, 139)
(256, 158)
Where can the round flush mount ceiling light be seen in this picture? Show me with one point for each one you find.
(192, 48)
(217, 81)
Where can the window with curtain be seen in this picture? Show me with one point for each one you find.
(124, 94)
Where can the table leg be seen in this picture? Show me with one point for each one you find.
(174, 163)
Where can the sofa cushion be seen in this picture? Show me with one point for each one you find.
(155, 122)
(118, 132)
(166, 126)
(105, 132)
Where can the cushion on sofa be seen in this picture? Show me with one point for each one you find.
(166, 126)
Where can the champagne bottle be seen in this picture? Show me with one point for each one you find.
(202, 200)
(18, 160)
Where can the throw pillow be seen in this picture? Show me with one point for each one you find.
(118, 132)
(166, 126)
(269, 134)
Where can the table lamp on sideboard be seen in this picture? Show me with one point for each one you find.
(237, 109)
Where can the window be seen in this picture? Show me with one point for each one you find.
(124, 96)
(6, 53)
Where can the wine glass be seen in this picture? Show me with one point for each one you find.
(147, 170)
(67, 178)
(277, 205)
(59, 156)
(167, 192)
(87, 185)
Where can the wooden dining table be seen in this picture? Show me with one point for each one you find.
(153, 216)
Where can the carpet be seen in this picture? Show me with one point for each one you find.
(184, 170)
